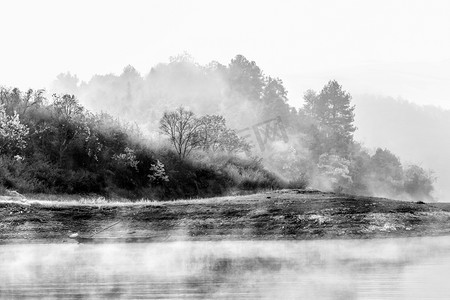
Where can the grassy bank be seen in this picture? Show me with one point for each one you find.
(287, 214)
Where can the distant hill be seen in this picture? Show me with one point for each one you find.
(417, 134)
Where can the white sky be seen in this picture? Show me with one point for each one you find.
(397, 48)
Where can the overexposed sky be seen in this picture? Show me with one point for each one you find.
(396, 48)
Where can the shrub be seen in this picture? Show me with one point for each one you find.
(334, 171)
(418, 182)
(244, 173)
(158, 173)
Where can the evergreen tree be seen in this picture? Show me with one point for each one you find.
(334, 114)
(245, 78)
(274, 99)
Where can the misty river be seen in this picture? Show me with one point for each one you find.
(410, 268)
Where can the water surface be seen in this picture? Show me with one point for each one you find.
(413, 268)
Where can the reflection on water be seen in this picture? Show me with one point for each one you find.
(416, 268)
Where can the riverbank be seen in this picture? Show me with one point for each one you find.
(277, 215)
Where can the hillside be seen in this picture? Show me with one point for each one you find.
(276, 215)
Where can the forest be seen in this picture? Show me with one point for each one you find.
(174, 133)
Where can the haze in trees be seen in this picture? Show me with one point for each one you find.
(321, 153)
(334, 113)
(57, 146)
(416, 134)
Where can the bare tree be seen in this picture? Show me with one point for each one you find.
(181, 126)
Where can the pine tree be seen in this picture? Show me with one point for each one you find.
(245, 78)
(334, 113)
(274, 100)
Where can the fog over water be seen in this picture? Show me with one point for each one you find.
(415, 268)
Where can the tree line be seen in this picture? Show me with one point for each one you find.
(66, 148)
(56, 146)
(323, 152)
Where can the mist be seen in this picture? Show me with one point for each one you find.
(316, 141)
(352, 269)
(143, 98)
(242, 93)
(418, 134)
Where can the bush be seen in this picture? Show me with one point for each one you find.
(244, 173)
(418, 182)
(301, 182)
(188, 179)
